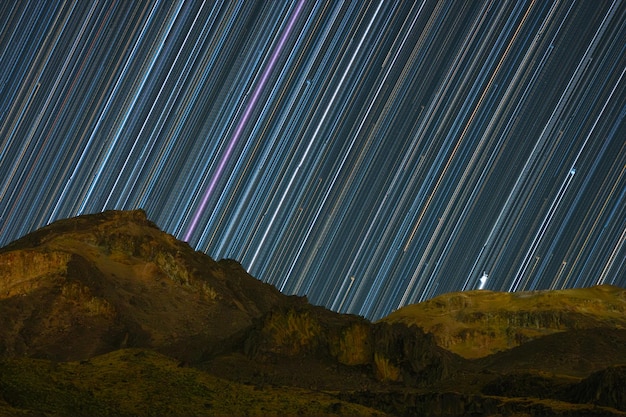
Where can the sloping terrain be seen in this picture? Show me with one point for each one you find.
(96, 283)
(475, 324)
(131, 382)
(105, 314)
(575, 353)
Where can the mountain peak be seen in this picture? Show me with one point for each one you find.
(118, 277)
(81, 225)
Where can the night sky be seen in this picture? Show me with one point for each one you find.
(366, 154)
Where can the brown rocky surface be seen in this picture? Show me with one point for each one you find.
(88, 285)
(107, 314)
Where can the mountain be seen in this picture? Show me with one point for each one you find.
(97, 283)
(475, 324)
(105, 314)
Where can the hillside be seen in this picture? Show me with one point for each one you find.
(105, 314)
(131, 382)
(96, 283)
(475, 324)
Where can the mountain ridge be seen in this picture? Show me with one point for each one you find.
(478, 323)
(112, 290)
(120, 273)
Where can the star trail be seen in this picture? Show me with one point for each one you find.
(366, 154)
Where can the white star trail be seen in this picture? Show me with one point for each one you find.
(367, 155)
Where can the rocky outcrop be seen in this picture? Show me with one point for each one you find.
(23, 271)
(605, 388)
(393, 353)
(95, 283)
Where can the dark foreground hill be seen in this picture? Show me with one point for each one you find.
(105, 314)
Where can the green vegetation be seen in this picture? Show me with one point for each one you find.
(144, 383)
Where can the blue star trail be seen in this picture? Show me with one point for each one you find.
(367, 155)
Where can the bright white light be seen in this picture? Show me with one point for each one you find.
(483, 281)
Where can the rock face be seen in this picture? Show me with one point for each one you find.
(393, 353)
(92, 284)
(604, 387)
(475, 324)
(96, 283)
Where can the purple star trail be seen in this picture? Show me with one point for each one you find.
(242, 122)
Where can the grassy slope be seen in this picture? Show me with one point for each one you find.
(140, 383)
(475, 324)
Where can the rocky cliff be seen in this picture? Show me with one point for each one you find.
(389, 352)
(88, 285)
